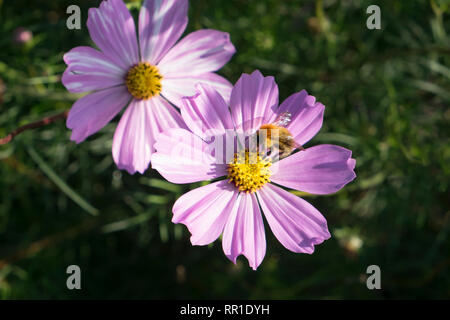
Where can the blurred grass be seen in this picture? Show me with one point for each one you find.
(386, 93)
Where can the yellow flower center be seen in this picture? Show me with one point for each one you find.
(248, 171)
(144, 81)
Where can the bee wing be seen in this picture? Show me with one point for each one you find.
(283, 119)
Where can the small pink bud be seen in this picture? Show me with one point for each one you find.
(22, 35)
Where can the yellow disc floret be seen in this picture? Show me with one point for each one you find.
(144, 81)
(249, 172)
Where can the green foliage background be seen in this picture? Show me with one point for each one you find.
(386, 93)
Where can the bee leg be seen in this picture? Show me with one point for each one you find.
(299, 147)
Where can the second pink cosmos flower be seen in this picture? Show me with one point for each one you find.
(247, 184)
(145, 75)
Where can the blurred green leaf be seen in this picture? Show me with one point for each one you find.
(64, 187)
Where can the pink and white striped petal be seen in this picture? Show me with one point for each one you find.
(175, 89)
(161, 24)
(205, 211)
(112, 29)
(296, 223)
(322, 169)
(206, 114)
(253, 101)
(89, 70)
(133, 143)
(244, 231)
(182, 157)
(93, 111)
(199, 52)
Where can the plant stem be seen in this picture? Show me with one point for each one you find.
(33, 125)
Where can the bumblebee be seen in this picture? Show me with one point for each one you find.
(286, 143)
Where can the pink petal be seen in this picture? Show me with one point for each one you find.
(206, 114)
(205, 211)
(296, 223)
(322, 169)
(92, 112)
(198, 53)
(89, 69)
(244, 231)
(182, 157)
(306, 116)
(253, 101)
(112, 28)
(161, 24)
(135, 135)
(174, 89)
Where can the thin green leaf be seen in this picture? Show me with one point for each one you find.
(53, 176)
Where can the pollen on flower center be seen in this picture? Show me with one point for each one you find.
(249, 172)
(144, 81)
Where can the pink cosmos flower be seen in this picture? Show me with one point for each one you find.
(233, 206)
(144, 75)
